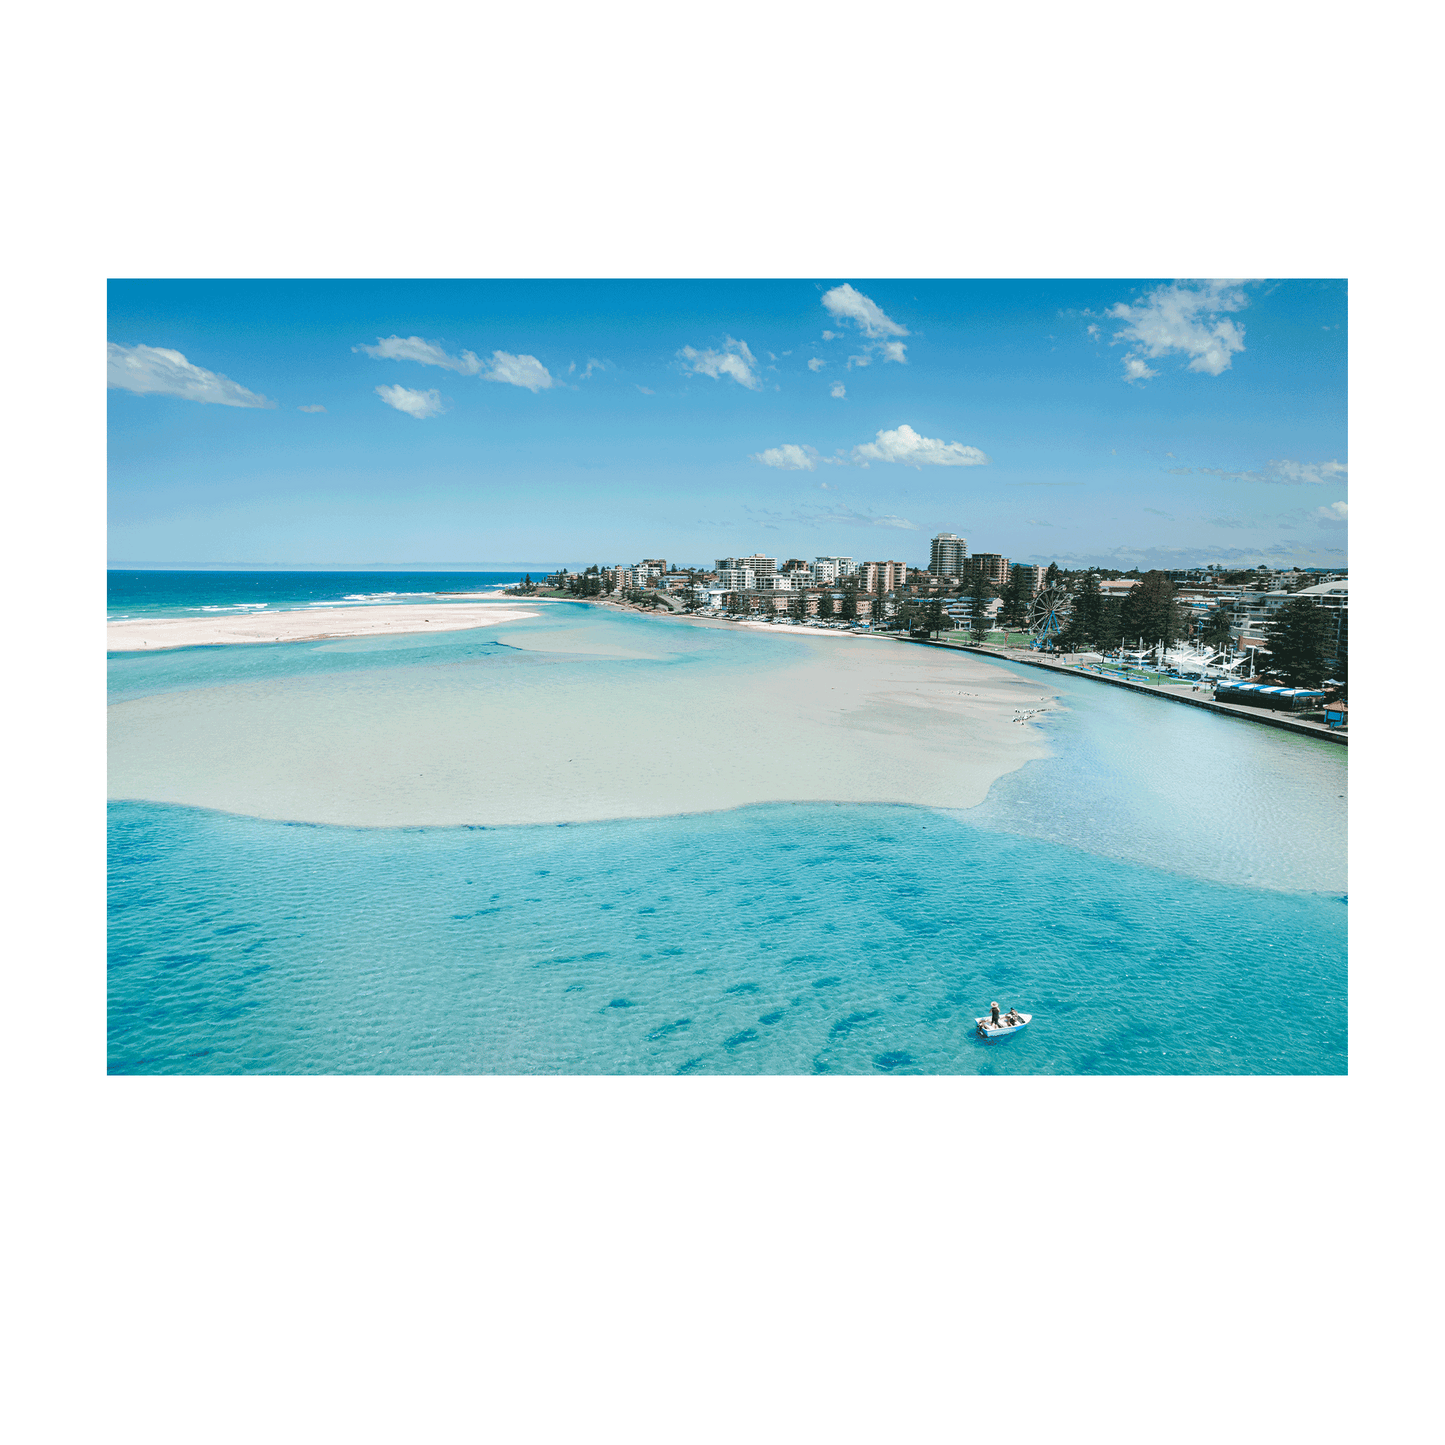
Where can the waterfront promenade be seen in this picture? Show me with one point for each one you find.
(1170, 692)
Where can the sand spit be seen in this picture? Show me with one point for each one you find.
(556, 740)
(305, 624)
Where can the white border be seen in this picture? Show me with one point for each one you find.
(85, 1097)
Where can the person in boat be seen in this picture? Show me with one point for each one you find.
(1012, 1017)
(993, 1014)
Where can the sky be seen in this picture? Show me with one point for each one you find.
(535, 424)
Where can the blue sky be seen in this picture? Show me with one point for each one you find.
(535, 423)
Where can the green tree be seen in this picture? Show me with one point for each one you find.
(1296, 639)
(850, 600)
(1111, 627)
(1051, 576)
(798, 606)
(980, 594)
(825, 604)
(1086, 617)
(1015, 599)
(770, 607)
(1151, 612)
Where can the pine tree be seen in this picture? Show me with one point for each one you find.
(850, 601)
(980, 594)
(825, 604)
(798, 606)
(1150, 610)
(1296, 639)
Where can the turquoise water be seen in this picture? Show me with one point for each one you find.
(1165, 894)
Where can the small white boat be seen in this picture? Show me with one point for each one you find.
(987, 1029)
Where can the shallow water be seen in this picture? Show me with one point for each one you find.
(784, 939)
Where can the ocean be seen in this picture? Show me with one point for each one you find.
(202, 594)
(1165, 893)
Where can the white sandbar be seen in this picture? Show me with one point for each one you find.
(551, 740)
(304, 625)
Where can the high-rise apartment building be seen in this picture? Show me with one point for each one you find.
(734, 579)
(947, 556)
(881, 576)
(830, 569)
(993, 566)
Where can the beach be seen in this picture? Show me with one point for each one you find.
(306, 624)
(580, 717)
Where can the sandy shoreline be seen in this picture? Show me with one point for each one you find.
(556, 738)
(152, 634)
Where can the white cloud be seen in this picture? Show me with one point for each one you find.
(419, 404)
(1286, 472)
(839, 391)
(156, 370)
(816, 364)
(521, 371)
(592, 365)
(1136, 370)
(830, 336)
(502, 366)
(857, 361)
(1312, 472)
(734, 360)
(1335, 512)
(428, 353)
(1092, 329)
(645, 390)
(1182, 317)
(905, 445)
(310, 408)
(849, 305)
(788, 457)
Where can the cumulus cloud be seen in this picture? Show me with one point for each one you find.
(830, 336)
(849, 305)
(1135, 369)
(816, 364)
(162, 372)
(1186, 318)
(418, 404)
(734, 360)
(838, 391)
(428, 353)
(519, 371)
(788, 457)
(311, 408)
(905, 445)
(1335, 512)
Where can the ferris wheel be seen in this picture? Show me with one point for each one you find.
(1049, 614)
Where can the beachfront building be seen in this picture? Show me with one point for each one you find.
(832, 569)
(774, 582)
(882, 576)
(991, 566)
(960, 609)
(1118, 587)
(948, 554)
(735, 578)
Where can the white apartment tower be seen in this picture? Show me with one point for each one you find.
(948, 555)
